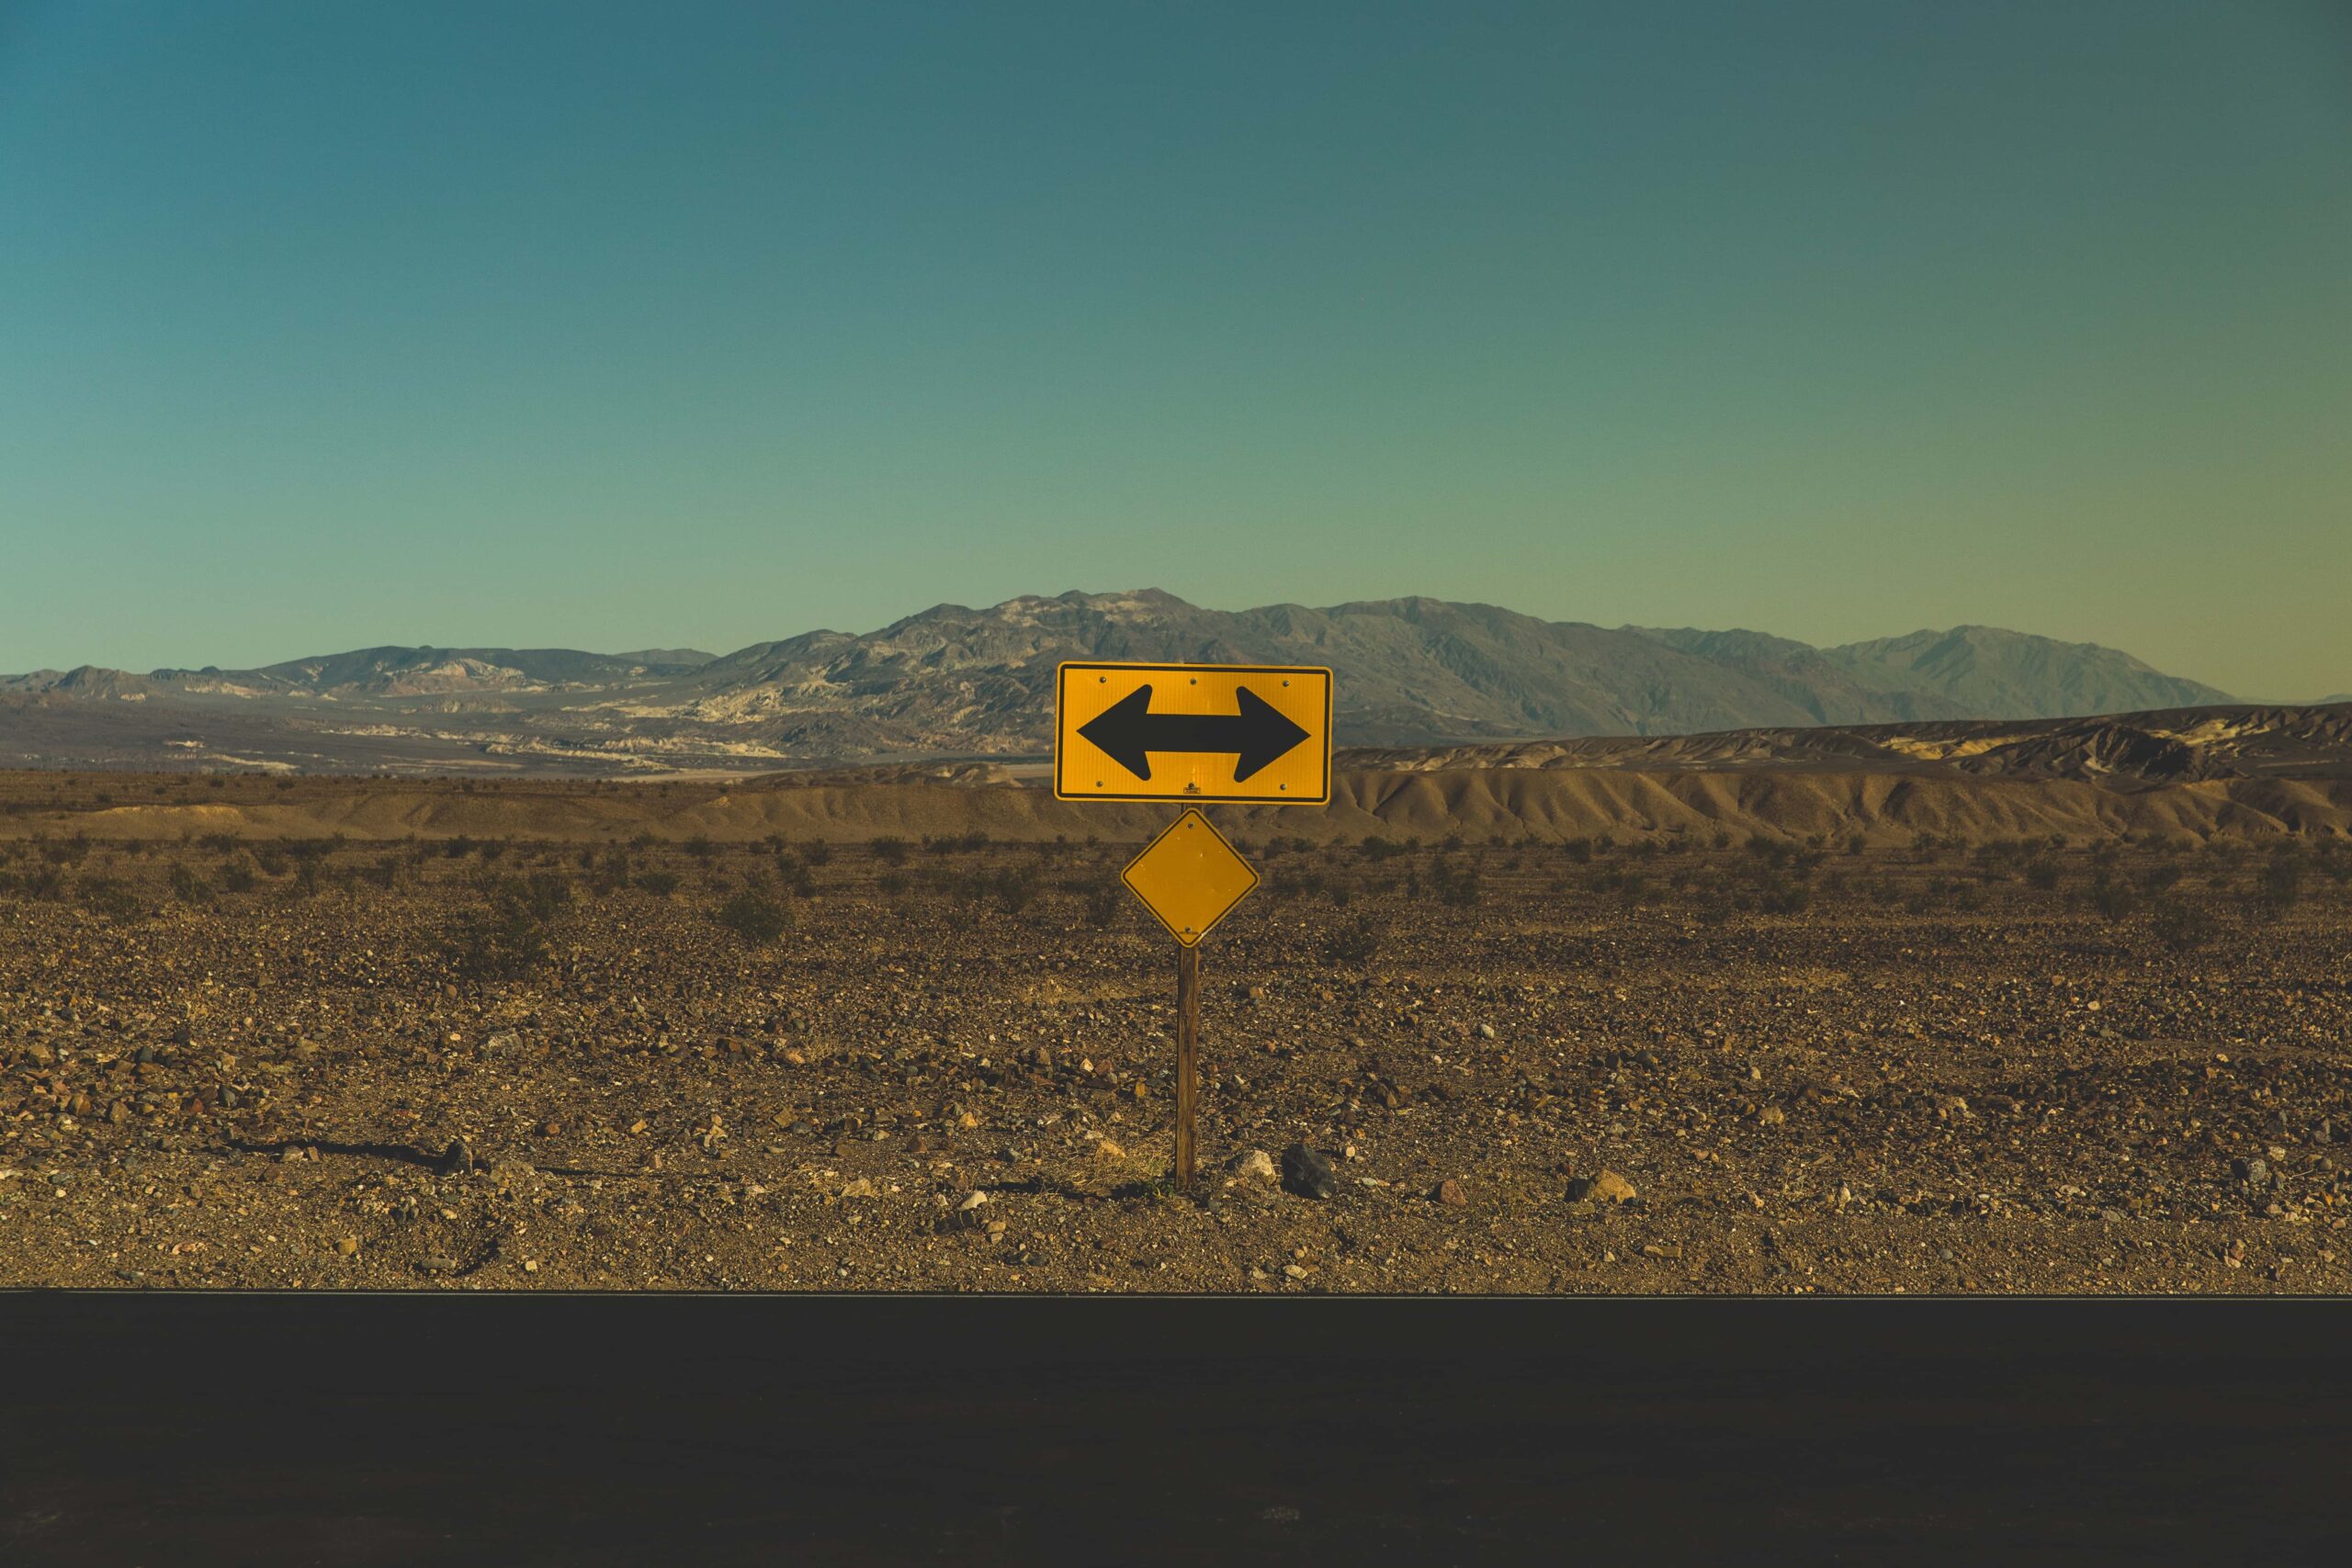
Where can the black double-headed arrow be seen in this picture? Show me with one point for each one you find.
(1128, 731)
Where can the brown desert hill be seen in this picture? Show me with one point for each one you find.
(1544, 804)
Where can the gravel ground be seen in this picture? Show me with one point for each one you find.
(1530, 1068)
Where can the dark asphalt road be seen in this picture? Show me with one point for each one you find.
(461, 1428)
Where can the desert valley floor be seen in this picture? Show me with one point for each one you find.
(640, 1055)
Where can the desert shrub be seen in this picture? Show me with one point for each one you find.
(458, 848)
(610, 873)
(503, 936)
(661, 883)
(890, 850)
(2184, 927)
(1457, 886)
(545, 892)
(107, 896)
(2112, 897)
(1352, 943)
(219, 844)
(758, 914)
(1578, 851)
(1015, 888)
(1102, 904)
(2158, 879)
(893, 884)
(238, 877)
(67, 851)
(187, 886)
(1785, 896)
(700, 847)
(2042, 873)
(1379, 848)
(816, 851)
(2278, 886)
(383, 872)
(951, 844)
(44, 883)
(273, 861)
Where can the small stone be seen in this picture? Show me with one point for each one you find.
(1451, 1193)
(457, 1158)
(972, 1200)
(1771, 1116)
(1606, 1187)
(1106, 1149)
(1486, 1032)
(348, 1246)
(1294, 1271)
(530, 1266)
(2113, 1216)
(1256, 1164)
(862, 1188)
(1308, 1173)
(437, 1263)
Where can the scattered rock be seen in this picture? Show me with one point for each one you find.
(348, 1246)
(1106, 1149)
(1451, 1193)
(1606, 1187)
(458, 1158)
(972, 1200)
(1255, 1164)
(1306, 1173)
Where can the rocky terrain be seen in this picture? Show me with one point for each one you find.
(1473, 1064)
(954, 681)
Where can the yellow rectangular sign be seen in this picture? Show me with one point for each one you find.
(1241, 732)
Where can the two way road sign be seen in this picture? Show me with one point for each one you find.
(1233, 732)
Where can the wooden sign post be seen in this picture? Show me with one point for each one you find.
(1188, 1043)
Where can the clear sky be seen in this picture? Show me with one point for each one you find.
(331, 324)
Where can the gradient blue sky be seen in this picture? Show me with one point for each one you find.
(606, 326)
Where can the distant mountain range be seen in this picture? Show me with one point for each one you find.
(967, 682)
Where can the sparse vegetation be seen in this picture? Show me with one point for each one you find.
(759, 914)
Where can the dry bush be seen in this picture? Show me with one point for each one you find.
(759, 914)
(2184, 927)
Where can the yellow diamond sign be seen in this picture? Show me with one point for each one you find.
(1190, 877)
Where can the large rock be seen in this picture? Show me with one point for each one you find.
(1308, 1173)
